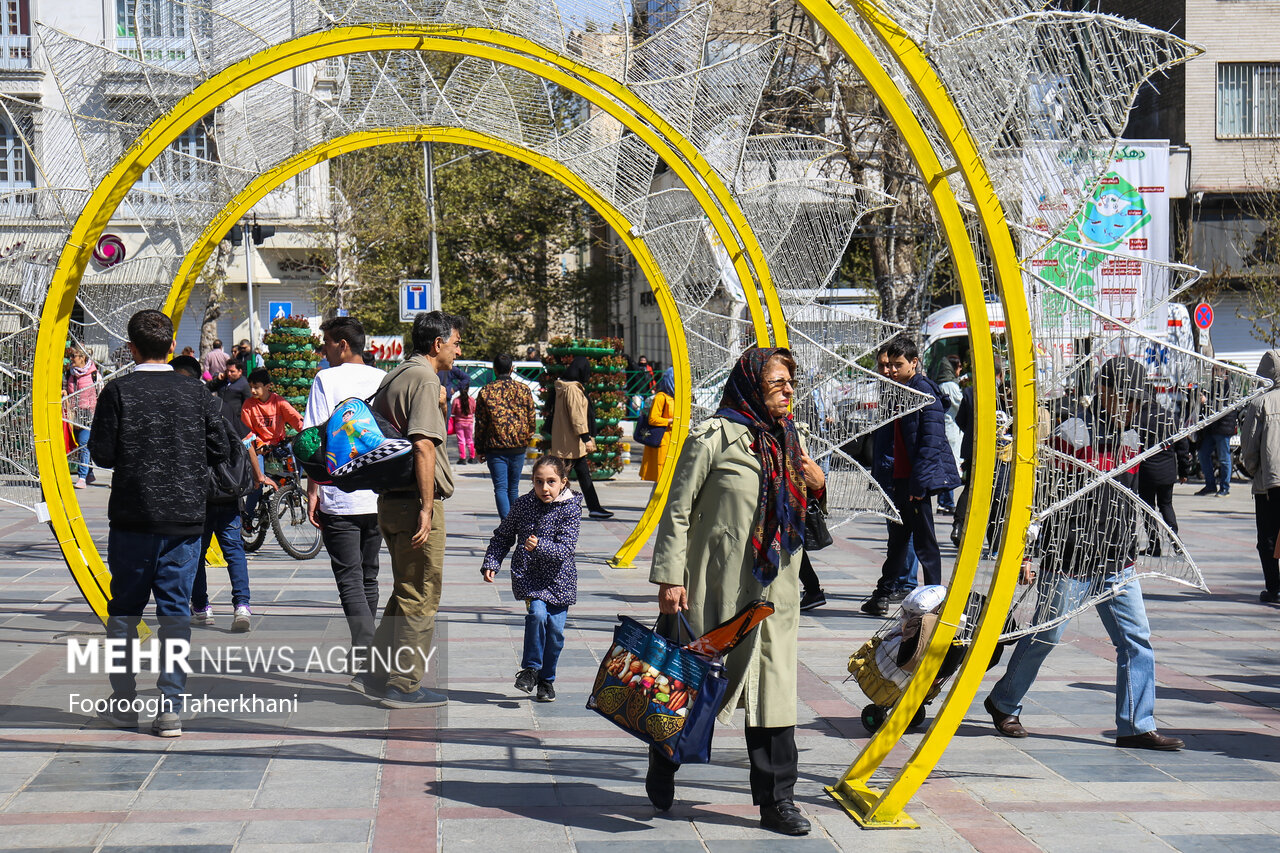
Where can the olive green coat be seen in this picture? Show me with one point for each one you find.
(704, 544)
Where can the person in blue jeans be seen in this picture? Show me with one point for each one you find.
(1215, 438)
(222, 520)
(544, 525)
(505, 421)
(160, 432)
(1086, 549)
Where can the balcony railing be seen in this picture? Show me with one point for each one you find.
(158, 50)
(15, 52)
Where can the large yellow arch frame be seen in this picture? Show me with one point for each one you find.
(256, 190)
(682, 157)
(870, 807)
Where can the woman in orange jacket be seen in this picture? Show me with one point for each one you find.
(661, 413)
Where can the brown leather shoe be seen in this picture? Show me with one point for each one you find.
(1006, 724)
(1150, 740)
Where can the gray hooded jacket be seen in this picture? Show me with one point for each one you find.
(1260, 430)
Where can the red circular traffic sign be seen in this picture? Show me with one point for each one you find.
(1204, 315)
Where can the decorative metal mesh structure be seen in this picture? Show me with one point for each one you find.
(201, 107)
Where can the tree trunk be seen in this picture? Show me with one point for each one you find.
(215, 282)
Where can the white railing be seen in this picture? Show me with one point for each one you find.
(15, 52)
(157, 50)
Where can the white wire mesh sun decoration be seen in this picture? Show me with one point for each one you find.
(1030, 84)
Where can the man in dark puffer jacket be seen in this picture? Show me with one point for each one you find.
(161, 431)
(923, 466)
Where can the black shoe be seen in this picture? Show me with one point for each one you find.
(118, 714)
(1150, 740)
(660, 782)
(810, 600)
(1207, 490)
(546, 691)
(897, 595)
(783, 816)
(526, 680)
(1268, 597)
(876, 605)
(1222, 493)
(600, 514)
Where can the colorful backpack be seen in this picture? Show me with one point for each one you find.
(356, 449)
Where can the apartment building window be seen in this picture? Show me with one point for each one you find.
(17, 171)
(162, 29)
(15, 34)
(1248, 99)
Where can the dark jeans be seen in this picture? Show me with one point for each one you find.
(506, 467)
(774, 763)
(145, 565)
(1266, 512)
(585, 485)
(1221, 446)
(353, 543)
(223, 521)
(916, 529)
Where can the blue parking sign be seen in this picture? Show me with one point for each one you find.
(279, 310)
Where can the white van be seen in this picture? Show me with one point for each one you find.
(481, 373)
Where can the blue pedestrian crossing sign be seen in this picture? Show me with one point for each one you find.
(279, 310)
(415, 296)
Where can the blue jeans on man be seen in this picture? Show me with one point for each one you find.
(222, 521)
(1124, 617)
(506, 467)
(1220, 445)
(543, 637)
(144, 565)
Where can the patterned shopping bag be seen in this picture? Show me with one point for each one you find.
(666, 694)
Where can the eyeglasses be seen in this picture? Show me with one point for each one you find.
(780, 383)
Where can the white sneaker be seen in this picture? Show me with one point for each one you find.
(203, 616)
(82, 483)
(240, 622)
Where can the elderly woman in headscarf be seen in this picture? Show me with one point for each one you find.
(572, 421)
(660, 414)
(732, 532)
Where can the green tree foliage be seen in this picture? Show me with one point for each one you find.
(502, 228)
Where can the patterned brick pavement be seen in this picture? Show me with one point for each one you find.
(495, 771)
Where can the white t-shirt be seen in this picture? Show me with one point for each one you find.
(330, 387)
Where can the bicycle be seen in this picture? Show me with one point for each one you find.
(283, 509)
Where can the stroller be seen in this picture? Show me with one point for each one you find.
(884, 664)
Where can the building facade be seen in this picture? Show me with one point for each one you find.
(285, 270)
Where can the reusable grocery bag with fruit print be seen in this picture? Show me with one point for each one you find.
(666, 694)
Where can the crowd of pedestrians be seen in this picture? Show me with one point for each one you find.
(178, 444)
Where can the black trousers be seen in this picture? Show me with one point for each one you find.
(808, 577)
(774, 763)
(917, 529)
(353, 543)
(1159, 498)
(585, 485)
(1266, 513)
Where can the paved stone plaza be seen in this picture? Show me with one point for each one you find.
(495, 771)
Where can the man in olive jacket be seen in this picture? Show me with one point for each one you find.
(1260, 453)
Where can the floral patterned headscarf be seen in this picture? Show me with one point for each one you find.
(783, 497)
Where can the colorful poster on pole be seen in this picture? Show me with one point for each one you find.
(1098, 258)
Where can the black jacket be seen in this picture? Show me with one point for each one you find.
(160, 431)
(1173, 460)
(933, 465)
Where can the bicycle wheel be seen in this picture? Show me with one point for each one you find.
(255, 534)
(294, 531)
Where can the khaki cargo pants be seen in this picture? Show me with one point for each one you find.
(409, 620)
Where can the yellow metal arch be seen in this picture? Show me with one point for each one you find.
(184, 280)
(610, 96)
(872, 807)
